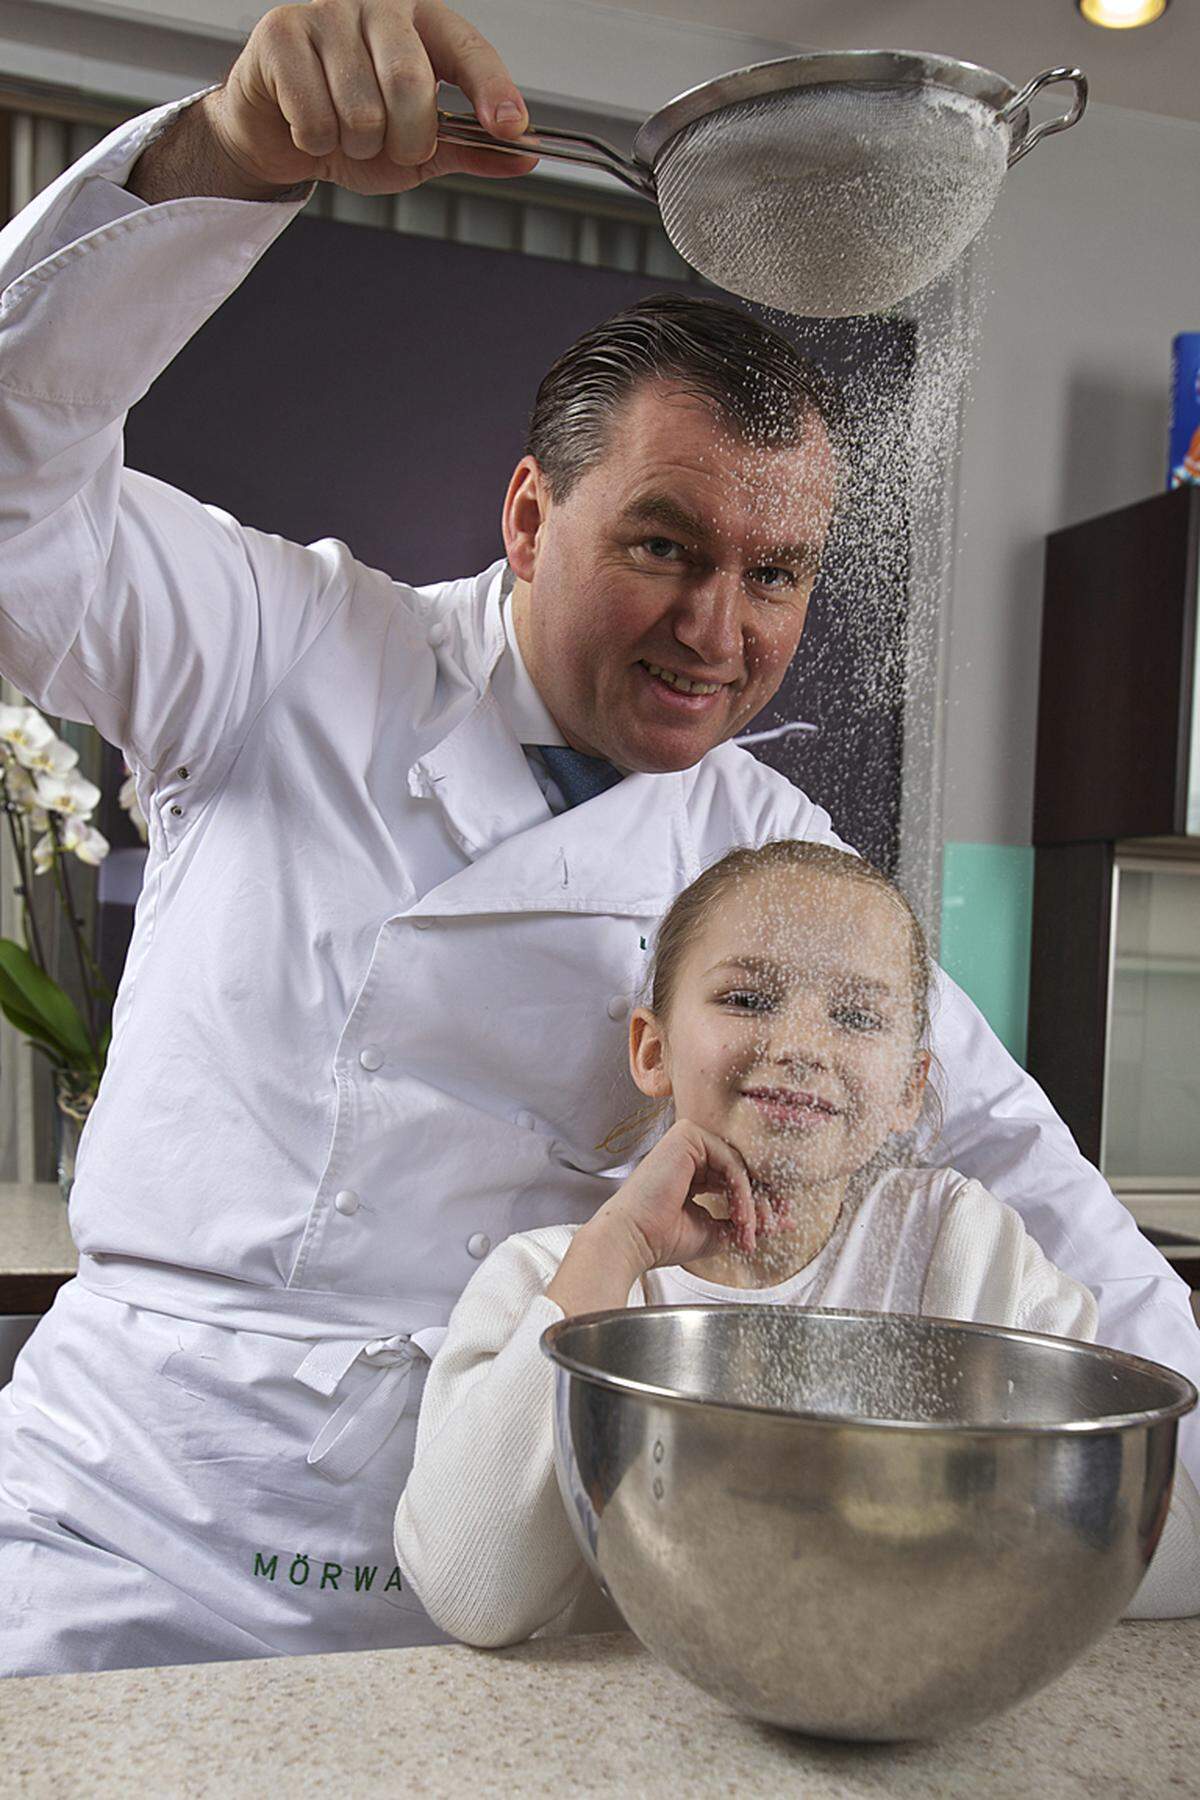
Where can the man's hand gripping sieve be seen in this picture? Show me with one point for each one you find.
(345, 91)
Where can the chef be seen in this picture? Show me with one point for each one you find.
(407, 850)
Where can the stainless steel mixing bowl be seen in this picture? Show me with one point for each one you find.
(857, 1525)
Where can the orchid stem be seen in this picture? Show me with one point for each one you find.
(33, 941)
(64, 893)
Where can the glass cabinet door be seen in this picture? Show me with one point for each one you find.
(1151, 1124)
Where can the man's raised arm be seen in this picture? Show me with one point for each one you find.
(188, 161)
(343, 91)
(113, 581)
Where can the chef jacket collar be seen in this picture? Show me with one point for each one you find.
(531, 719)
(628, 851)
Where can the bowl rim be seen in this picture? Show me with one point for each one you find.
(1177, 1409)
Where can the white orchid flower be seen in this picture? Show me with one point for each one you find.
(19, 786)
(128, 799)
(70, 794)
(22, 795)
(24, 728)
(43, 855)
(54, 758)
(89, 845)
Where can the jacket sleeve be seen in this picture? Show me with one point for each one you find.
(999, 1127)
(124, 602)
(481, 1531)
(985, 1267)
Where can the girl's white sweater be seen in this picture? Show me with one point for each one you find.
(481, 1532)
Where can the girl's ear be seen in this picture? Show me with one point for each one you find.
(648, 1055)
(911, 1100)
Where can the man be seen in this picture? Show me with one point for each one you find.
(407, 848)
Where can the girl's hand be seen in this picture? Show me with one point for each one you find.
(657, 1207)
(652, 1221)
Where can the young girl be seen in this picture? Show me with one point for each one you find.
(785, 1030)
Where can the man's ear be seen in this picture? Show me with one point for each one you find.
(648, 1055)
(912, 1099)
(525, 506)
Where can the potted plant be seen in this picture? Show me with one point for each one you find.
(48, 807)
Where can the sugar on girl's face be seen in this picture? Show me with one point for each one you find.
(683, 553)
(791, 1031)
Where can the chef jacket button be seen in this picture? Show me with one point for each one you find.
(371, 1057)
(618, 1006)
(526, 1121)
(436, 636)
(183, 773)
(346, 1202)
(478, 1245)
(177, 812)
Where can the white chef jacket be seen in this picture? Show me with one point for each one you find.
(374, 1012)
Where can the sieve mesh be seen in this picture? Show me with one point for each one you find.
(832, 199)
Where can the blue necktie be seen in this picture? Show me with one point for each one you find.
(579, 777)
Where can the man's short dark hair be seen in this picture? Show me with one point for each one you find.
(753, 375)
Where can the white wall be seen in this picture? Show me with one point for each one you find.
(607, 60)
(1094, 265)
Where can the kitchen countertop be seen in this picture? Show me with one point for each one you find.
(36, 1251)
(592, 1715)
(1181, 1213)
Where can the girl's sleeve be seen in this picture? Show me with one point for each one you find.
(481, 1531)
(985, 1267)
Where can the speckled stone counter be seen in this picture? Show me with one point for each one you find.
(36, 1252)
(582, 1716)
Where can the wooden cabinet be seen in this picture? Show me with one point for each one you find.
(1118, 745)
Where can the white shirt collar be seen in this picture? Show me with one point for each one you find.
(513, 687)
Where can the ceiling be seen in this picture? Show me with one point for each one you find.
(1153, 69)
(622, 61)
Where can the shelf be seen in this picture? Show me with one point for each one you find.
(1156, 965)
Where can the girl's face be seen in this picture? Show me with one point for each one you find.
(791, 1032)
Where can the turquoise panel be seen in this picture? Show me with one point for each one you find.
(987, 919)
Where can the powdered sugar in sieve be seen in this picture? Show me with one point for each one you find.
(832, 200)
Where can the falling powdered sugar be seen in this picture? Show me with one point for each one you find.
(878, 1368)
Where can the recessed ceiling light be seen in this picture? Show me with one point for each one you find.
(1122, 15)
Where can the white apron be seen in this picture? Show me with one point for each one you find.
(196, 1486)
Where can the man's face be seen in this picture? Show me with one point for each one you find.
(685, 554)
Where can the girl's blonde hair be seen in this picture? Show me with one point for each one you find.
(688, 912)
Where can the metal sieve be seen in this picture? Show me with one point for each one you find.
(825, 184)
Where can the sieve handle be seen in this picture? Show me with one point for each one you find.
(1047, 78)
(564, 146)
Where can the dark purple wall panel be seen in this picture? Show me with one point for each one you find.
(374, 387)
